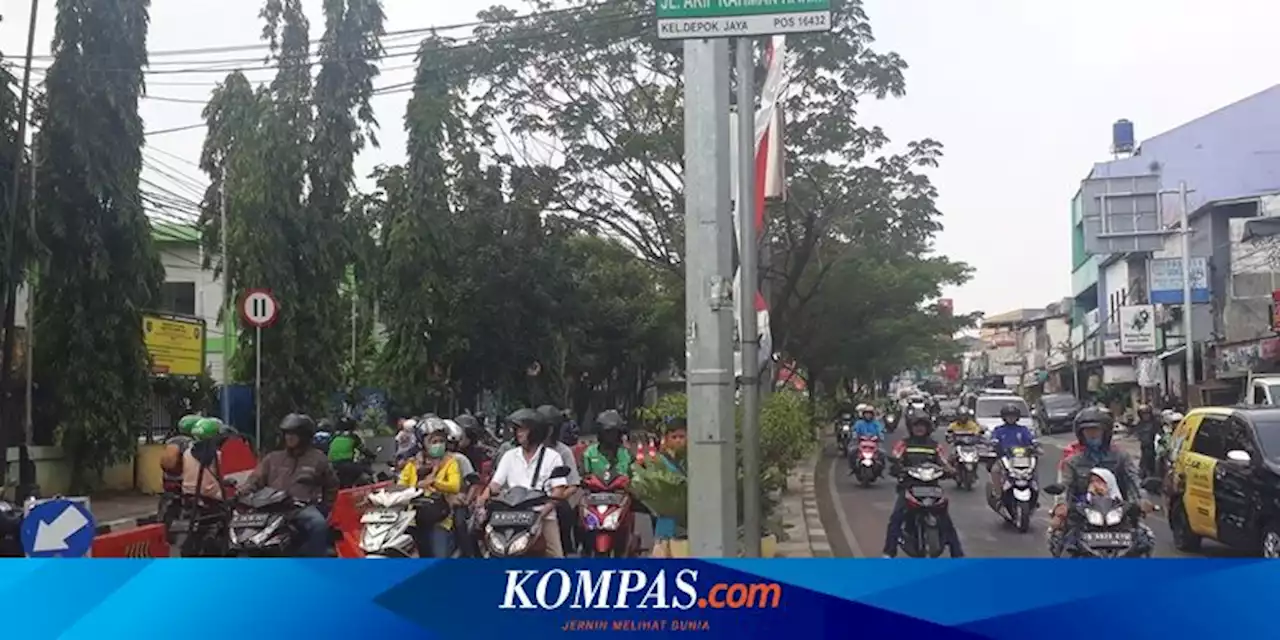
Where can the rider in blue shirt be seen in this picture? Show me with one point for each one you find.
(1005, 437)
(867, 426)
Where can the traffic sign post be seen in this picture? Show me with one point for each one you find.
(58, 528)
(700, 19)
(259, 309)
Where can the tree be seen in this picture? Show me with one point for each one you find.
(100, 270)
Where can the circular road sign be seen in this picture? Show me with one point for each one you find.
(259, 308)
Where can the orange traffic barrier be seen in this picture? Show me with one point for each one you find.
(147, 541)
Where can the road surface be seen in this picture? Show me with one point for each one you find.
(851, 511)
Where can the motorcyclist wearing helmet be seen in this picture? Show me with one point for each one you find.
(917, 448)
(867, 426)
(474, 463)
(303, 472)
(406, 440)
(607, 456)
(176, 446)
(201, 463)
(531, 465)
(964, 424)
(435, 471)
(566, 507)
(1007, 435)
(1094, 428)
(345, 448)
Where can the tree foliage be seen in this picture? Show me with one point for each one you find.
(100, 270)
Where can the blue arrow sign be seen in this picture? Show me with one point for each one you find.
(57, 529)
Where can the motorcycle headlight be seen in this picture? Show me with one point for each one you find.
(845, 429)
(611, 521)
(518, 544)
(1095, 518)
(1114, 517)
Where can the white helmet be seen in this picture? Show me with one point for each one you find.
(862, 407)
(453, 432)
(430, 425)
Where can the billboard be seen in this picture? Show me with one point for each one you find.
(1165, 278)
(1122, 215)
(175, 343)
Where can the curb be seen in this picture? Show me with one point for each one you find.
(807, 538)
(125, 524)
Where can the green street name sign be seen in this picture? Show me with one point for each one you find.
(689, 19)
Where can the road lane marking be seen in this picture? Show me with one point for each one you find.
(841, 517)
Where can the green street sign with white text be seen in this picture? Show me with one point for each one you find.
(689, 19)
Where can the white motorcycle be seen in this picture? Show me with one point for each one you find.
(389, 523)
(1016, 501)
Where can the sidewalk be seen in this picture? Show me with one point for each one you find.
(113, 512)
(806, 538)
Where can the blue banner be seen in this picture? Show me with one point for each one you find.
(775, 599)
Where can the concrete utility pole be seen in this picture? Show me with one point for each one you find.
(746, 297)
(708, 300)
(1187, 306)
(28, 423)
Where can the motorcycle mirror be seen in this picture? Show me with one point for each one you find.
(560, 472)
(1055, 489)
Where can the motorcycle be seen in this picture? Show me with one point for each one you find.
(10, 524)
(390, 521)
(261, 524)
(926, 506)
(605, 516)
(1102, 527)
(966, 458)
(1017, 499)
(198, 528)
(844, 433)
(868, 466)
(514, 524)
(360, 471)
(891, 422)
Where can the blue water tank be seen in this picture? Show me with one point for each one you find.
(1122, 137)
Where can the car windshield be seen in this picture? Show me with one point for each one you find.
(1269, 437)
(990, 407)
(1059, 403)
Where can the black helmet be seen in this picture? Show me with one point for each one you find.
(1094, 417)
(918, 419)
(610, 420)
(326, 424)
(1011, 409)
(531, 420)
(299, 423)
(553, 416)
(470, 426)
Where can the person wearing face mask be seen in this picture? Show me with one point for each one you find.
(435, 472)
(1094, 428)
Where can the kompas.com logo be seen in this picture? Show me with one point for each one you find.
(631, 589)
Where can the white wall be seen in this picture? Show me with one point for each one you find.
(182, 264)
(1116, 276)
(1059, 330)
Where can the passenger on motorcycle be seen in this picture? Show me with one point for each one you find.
(1094, 428)
(434, 471)
(917, 448)
(201, 462)
(344, 447)
(305, 474)
(566, 507)
(530, 465)
(1005, 437)
(607, 456)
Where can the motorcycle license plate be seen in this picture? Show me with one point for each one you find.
(926, 492)
(250, 520)
(379, 517)
(867, 462)
(604, 498)
(513, 518)
(1021, 462)
(1107, 538)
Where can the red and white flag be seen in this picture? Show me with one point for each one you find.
(770, 182)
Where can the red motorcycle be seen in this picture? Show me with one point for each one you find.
(868, 466)
(607, 518)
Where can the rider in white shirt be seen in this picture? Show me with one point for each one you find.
(530, 466)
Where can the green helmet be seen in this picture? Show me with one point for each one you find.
(187, 422)
(206, 429)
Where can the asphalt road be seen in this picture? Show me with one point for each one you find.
(855, 517)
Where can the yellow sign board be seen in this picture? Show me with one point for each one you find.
(176, 345)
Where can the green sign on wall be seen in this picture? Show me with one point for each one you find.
(687, 19)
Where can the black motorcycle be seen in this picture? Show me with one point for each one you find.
(10, 523)
(514, 524)
(844, 431)
(261, 525)
(926, 507)
(1102, 527)
(198, 529)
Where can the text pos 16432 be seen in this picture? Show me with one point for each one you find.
(690, 19)
(259, 308)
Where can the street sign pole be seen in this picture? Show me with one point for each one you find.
(1190, 366)
(257, 387)
(709, 300)
(748, 331)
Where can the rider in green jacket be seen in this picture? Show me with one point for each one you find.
(607, 457)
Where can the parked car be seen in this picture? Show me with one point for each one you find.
(1055, 411)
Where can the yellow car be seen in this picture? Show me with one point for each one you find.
(1224, 484)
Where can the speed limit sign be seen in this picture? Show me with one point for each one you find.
(259, 308)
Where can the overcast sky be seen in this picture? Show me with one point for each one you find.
(1022, 94)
